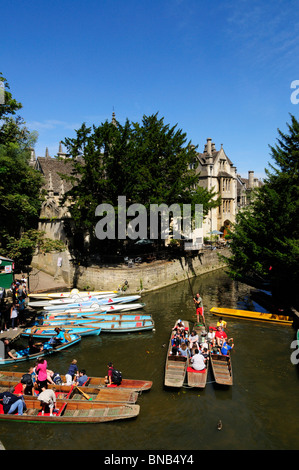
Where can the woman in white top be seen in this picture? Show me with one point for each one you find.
(14, 315)
(198, 362)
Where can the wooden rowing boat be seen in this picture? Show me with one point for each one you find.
(117, 326)
(197, 379)
(49, 331)
(92, 382)
(23, 354)
(250, 315)
(222, 368)
(61, 295)
(92, 302)
(95, 316)
(75, 412)
(176, 366)
(73, 393)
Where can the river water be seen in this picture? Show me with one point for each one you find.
(259, 412)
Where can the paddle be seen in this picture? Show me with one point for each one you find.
(83, 393)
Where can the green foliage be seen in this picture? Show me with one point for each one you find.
(33, 241)
(20, 196)
(265, 238)
(148, 163)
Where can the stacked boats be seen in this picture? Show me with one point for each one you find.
(87, 313)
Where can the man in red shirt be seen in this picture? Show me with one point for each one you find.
(220, 336)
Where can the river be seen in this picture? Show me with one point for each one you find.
(259, 412)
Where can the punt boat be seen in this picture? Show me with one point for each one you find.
(251, 315)
(92, 382)
(49, 331)
(175, 366)
(24, 355)
(73, 393)
(74, 412)
(198, 379)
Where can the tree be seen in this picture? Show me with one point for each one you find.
(20, 195)
(265, 238)
(149, 163)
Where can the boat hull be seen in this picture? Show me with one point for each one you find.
(175, 366)
(25, 356)
(92, 382)
(251, 315)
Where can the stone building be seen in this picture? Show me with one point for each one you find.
(52, 213)
(217, 172)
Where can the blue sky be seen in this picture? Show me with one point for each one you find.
(219, 69)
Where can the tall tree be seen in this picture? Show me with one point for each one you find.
(265, 238)
(149, 163)
(20, 197)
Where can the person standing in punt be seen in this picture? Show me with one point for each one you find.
(41, 371)
(199, 307)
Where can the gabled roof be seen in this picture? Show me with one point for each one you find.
(50, 167)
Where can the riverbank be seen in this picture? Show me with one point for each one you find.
(145, 277)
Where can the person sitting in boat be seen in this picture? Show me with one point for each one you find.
(198, 362)
(59, 338)
(12, 403)
(183, 350)
(34, 347)
(176, 339)
(8, 352)
(179, 327)
(193, 340)
(211, 336)
(220, 336)
(72, 372)
(82, 378)
(222, 323)
(226, 347)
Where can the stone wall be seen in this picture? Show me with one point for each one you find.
(144, 277)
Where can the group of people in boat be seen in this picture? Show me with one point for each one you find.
(36, 383)
(189, 345)
(196, 347)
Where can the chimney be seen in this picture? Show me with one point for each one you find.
(47, 153)
(209, 145)
(250, 179)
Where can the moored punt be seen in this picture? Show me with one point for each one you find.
(98, 309)
(49, 331)
(176, 366)
(57, 295)
(23, 355)
(75, 412)
(222, 368)
(68, 301)
(73, 393)
(107, 326)
(92, 382)
(122, 326)
(251, 315)
(93, 302)
(197, 379)
(97, 316)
